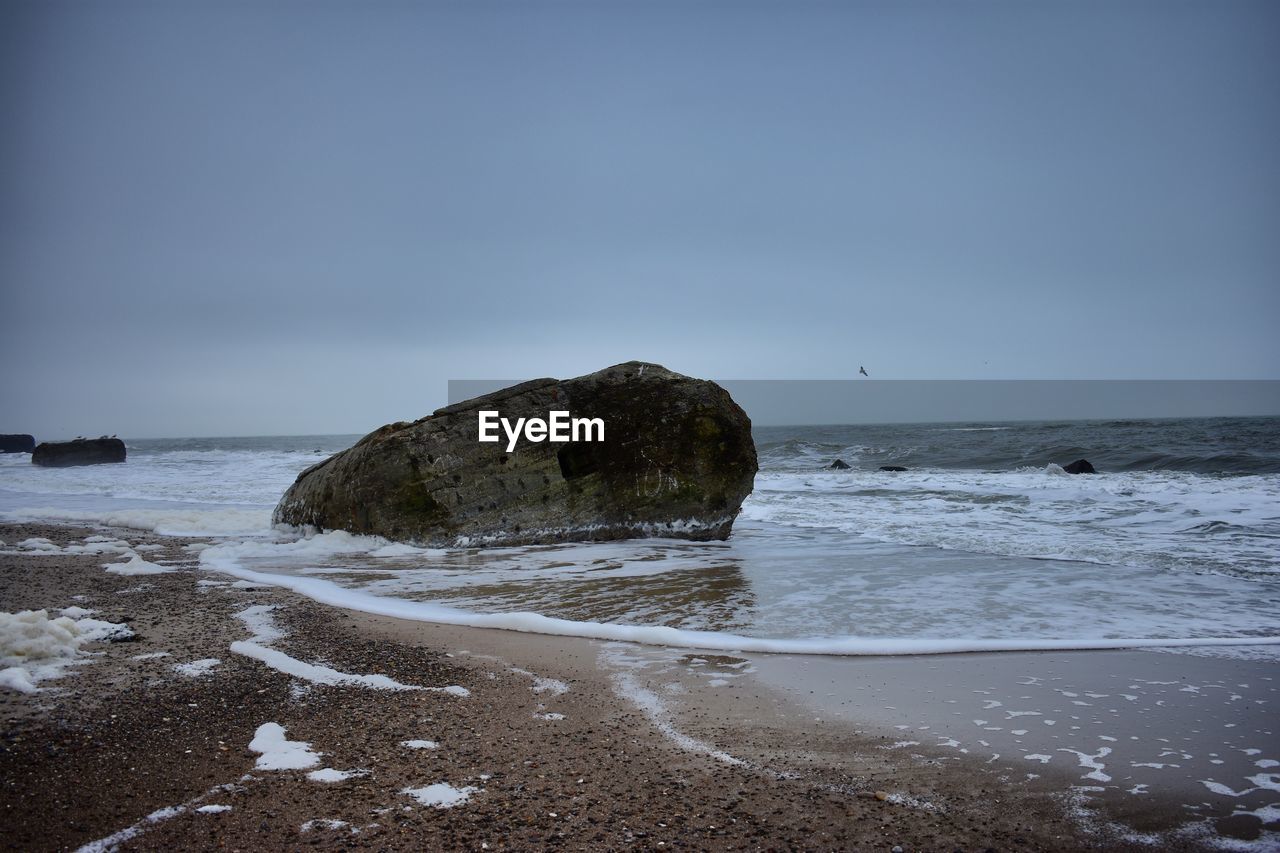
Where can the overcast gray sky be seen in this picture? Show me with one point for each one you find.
(280, 217)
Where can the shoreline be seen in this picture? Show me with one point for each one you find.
(728, 759)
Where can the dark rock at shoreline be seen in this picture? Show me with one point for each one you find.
(892, 468)
(17, 443)
(840, 465)
(677, 461)
(82, 451)
(1080, 466)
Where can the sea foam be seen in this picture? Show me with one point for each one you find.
(328, 592)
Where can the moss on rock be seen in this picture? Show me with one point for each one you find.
(677, 460)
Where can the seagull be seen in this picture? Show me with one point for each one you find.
(863, 371)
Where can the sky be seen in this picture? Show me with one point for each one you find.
(790, 402)
(306, 217)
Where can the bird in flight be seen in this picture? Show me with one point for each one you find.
(863, 371)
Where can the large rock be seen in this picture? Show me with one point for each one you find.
(677, 460)
(17, 443)
(1080, 466)
(82, 451)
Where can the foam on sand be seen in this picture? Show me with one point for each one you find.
(331, 775)
(197, 668)
(38, 546)
(325, 823)
(440, 795)
(280, 753)
(34, 647)
(259, 620)
(213, 809)
(627, 686)
(135, 565)
(542, 684)
(112, 842)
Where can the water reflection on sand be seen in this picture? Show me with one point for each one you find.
(678, 584)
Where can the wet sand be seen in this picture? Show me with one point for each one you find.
(565, 743)
(1167, 744)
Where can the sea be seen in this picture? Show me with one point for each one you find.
(984, 543)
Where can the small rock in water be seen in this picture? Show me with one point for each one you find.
(82, 451)
(840, 465)
(17, 443)
(1080, 466)
(892, 468)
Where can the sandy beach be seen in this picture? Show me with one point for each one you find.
(545, 742)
